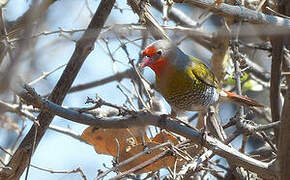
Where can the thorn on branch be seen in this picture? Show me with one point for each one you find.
(245, 126)
(99, 102)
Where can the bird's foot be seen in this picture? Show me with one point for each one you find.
(145, 146)
(204, 134)
(146, 149)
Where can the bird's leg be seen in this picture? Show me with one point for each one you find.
(214, 124)
(204, 129)
(173, 114)
(145, 146)
(144, 142)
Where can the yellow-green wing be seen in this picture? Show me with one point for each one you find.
(203, 73)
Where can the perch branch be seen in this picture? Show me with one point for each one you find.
(141, 119)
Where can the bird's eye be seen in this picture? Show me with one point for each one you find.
(159, 52)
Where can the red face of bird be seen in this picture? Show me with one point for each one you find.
(157, 55)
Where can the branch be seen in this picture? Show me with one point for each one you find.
(197, 33)
(141, 119)
(146, 151)
(257, 70)
(116, 77)
(240, 12)
(77, 170)
(142, 165)
(83, 47)
(175, 14)
(20, 110)
(284, 138)
(275, 89)
(148, 19)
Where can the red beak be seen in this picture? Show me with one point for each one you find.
(145, 62)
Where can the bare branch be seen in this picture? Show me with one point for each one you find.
(116, 77)
(284, 137)
(45, 75)
(148, 150)
(142, 165)
(141, 119)
(174, 14)
(241, 13)
(146, 17)
(77, 170)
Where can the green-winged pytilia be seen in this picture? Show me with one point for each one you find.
(184, 81)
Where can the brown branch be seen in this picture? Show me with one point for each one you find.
(284, 138)
(83, 47)
(141, 119)
(148, 19)
(174, 14)
(220, 54)
(275, 89)
(197, 33)
(142, 165)
(257, 70)
(16, 108)
(148, 150)
(116, 77)
(77, 170)
(193, 165)
(275, 100)
(240, 12)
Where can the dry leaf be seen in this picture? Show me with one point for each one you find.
(106, 141)
(164, 136)
(129, 141)
(167, 161)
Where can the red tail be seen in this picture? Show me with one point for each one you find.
(242, 100)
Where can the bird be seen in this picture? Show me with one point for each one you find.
(185, 82)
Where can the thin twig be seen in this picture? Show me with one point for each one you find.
(45, 75)
(267, 126)
(142, 165)
(276, 13)
(32, 151)
(128, 99)
(132, 158)
(77, 170)
(4, 150)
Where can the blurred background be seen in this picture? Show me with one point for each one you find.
(50, 46)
